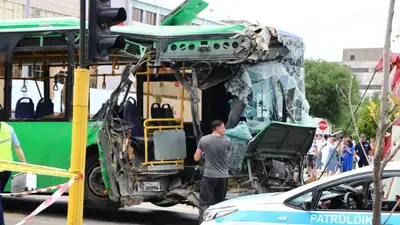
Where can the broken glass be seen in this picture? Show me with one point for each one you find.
(264, 86)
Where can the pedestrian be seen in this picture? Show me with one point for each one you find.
(214, 183)
(361, 146)
(348, 156)
(387, 143)
(372, 143)
(325, 151)
(8, 141)
(319, 146)
(311, 156)
(332, 163)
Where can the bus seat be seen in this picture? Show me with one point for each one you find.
(168, 113)
(169, 144)
(25, 110)
(44, 108)
(157, 113)
(131, 115)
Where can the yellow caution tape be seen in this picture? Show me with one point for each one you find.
(36, 169)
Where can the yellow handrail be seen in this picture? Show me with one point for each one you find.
(148, 127)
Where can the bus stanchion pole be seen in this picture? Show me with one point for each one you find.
(79, 126)
(78, 148)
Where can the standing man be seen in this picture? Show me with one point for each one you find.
(363, 161)
(311, 157)
(214, 183)
(8, 140)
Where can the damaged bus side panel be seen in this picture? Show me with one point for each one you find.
(252, 78)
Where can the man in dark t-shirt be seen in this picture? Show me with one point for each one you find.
(214, 183)
(363, 161)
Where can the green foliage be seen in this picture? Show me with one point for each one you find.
(321, 79)
(366, 125)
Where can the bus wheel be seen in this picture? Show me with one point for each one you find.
(95, 197)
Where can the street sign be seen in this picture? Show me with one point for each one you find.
(323, 125)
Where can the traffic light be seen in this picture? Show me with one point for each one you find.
(102, 17)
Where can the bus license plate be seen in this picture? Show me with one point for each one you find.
(150, 186)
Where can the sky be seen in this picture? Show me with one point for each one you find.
(326, 26)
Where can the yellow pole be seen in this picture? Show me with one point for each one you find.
(78, 148)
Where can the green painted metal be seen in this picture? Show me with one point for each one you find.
(57, 24)
(176, 31)
(103, 168)
(39, 23)
(48, 144)
(185, 13)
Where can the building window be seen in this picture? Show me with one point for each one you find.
(371, 87)
(352, 57)
(137, 14)
(150, 18)
(161, 18)
(360, 70)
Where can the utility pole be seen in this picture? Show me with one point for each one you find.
(101, 43)
(27, 9)
(79, 126)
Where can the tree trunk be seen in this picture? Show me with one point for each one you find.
(377, 171)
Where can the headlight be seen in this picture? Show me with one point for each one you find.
(212, 214)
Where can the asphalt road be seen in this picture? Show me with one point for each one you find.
(145, 214)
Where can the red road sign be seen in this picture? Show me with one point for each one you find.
(323, 125)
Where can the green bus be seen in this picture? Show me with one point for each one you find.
(140, 146)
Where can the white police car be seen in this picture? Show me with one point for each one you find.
(341, 199)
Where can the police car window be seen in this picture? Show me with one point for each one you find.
(298, 202)
(390, 196)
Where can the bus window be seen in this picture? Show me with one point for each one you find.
(27, 90)
(170, 93)
(38, 93)
(102, 84)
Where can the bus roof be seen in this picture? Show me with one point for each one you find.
(55, 24)
(71, 23)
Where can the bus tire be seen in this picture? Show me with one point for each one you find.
(94, 187)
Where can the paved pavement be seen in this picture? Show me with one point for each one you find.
(17, 209)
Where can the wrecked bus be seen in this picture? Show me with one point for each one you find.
(252, 77)
(141, 149)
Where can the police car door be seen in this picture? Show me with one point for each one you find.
(349, 201)
(314, 206)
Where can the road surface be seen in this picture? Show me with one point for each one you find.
(145, 214)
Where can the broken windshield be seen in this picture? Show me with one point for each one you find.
(261, 86)
(270, 91)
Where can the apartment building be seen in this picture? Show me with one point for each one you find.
(362, 62)
(15, 9)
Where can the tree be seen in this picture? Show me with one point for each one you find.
(379, 163)
(321, 79)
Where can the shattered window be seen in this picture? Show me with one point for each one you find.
(264, 86)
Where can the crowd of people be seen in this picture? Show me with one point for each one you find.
(332, 155)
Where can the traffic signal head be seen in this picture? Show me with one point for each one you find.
(101, 18)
